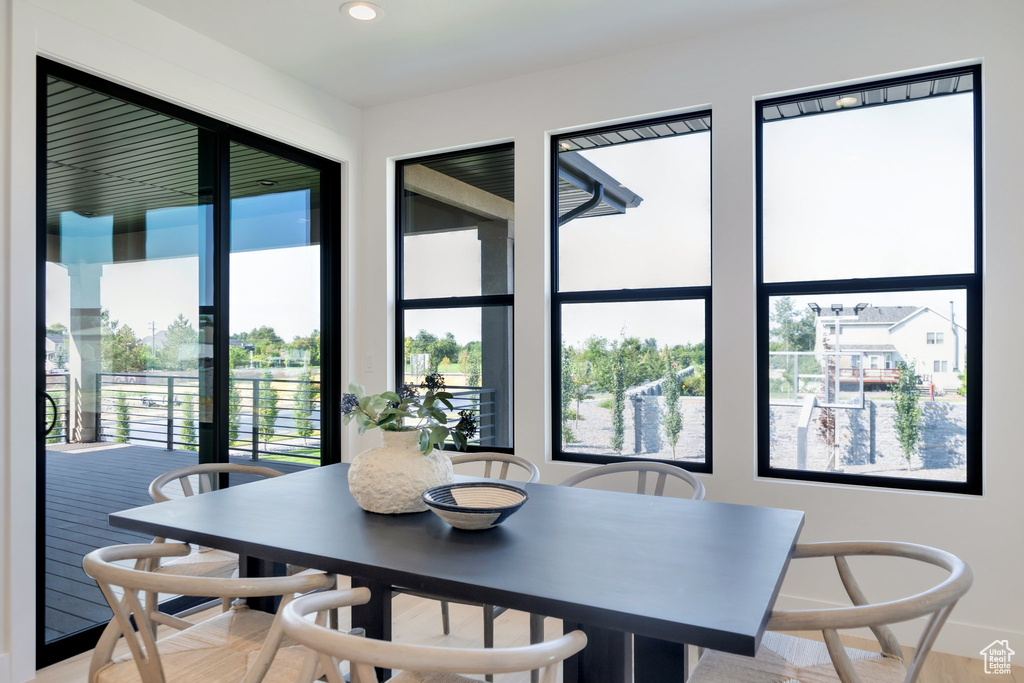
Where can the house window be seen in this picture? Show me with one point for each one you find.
(896, 163)
(454, 249)
(631, 282)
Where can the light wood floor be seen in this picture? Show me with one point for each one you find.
(417, 620)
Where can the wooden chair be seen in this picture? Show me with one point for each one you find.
(489, 460)
(444, 664)
(642, 467)
(784, 657)
(228, 647)
(208, 562)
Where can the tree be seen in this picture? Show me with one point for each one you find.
(122, 351)
(268, 408)
(238, 357)
(791, 330)
(180, 349)
(305, 396)
(188, 423)
(618, 402)
(234, 411)
(962, 377)
(673, 415)
(474, 363)
(579, 389)
(57, 328)
(123, 425)
(827, 418)
(907, 422)
(442, 348)
(566, 395)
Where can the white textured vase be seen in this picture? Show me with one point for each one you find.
(391, 479)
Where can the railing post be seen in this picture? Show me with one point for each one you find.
(256, 419)
(99, 413)
(67, 407)
(170, 413)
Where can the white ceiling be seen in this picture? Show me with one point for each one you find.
(424, 46)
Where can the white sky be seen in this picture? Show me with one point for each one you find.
(877, 191)
(871, 192)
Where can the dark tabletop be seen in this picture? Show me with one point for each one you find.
(685, 571)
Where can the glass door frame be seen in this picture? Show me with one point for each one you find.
(217, 184)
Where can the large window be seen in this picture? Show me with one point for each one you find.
(456, 228)
(869, 284)
(631, 281)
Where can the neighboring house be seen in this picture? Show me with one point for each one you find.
(934, 344)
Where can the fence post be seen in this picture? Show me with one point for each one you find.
(99, 413)
(256, 419)
(170, 413)
(67, 407)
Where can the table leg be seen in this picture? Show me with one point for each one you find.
(607, 658)
(375, 616)
(249, 566)
(659, 660)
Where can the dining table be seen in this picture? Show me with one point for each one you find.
(642, 576)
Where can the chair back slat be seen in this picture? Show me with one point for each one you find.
(208, 476)
(924, 646)
(507, 460)
(659, 486)
(365, 653)
(936, 602)
(840, 660)
(886, 638)
(641, 468)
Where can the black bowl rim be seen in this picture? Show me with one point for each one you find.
(474, 484)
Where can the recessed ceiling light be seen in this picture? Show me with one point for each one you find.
(848, 101)
(363, 11)
(268, 183)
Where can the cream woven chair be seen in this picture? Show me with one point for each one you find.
(208, 562)
(444, 664)
(228, 647)
(489, 460)
(786, 658)
(642, 467)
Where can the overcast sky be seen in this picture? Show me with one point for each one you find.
(878, 191)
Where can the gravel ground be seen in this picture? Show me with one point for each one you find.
(594, 432)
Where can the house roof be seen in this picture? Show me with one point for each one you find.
(873, 314)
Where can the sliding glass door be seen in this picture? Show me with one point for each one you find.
(185, 314)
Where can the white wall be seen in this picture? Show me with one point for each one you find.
(124, 42)
(727, 71)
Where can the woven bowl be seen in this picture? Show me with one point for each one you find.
(474, 505)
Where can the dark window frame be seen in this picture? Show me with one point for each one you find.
(644, 294)
(971, 283)
(403, 304)
(218, 136)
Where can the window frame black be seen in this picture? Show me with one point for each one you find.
(403, 304)
(971, 283)
(624, 295)
(219, 135)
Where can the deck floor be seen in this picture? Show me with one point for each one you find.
(83, 486)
